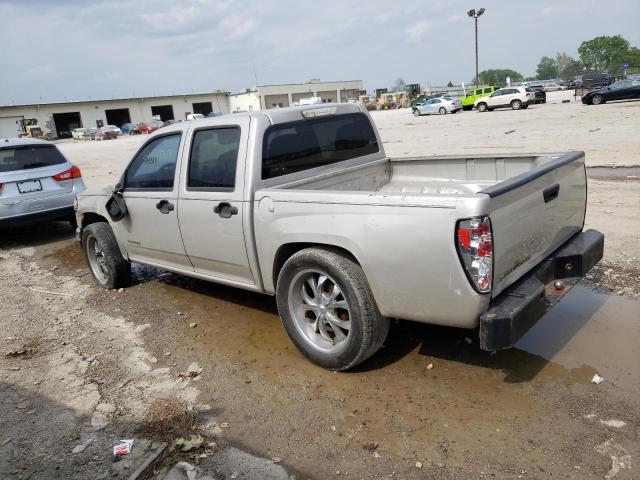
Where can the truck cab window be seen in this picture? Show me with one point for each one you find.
(214, 154)
(297, 146)
(155, 165)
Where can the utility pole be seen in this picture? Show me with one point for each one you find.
(475, 14)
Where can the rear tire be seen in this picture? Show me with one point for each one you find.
(102, 253)
(336, 331)
(442, 110)
(481, 107)
(516, 104)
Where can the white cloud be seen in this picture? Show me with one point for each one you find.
(416, 30)
(42, 71)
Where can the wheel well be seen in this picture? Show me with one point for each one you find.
(286, 251)
(90, 217)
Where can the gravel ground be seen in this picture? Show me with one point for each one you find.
(81, 366)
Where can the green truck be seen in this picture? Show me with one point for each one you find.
(472, 95)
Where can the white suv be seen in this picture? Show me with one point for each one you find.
(513, 97)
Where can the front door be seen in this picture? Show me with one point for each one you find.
(211, 209)
(150, 231)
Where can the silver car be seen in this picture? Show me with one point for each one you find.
(439, 105)
(37, 183)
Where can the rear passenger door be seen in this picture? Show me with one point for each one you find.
(211, 205)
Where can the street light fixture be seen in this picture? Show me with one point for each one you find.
(475, 14)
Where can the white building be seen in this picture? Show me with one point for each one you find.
(60, 118)
(288, 94)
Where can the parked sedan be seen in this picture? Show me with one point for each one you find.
(88, 134)
(37, 183)
(622, 90)
(77, 133)
(108, 132)
(149, 127)
(440, 106)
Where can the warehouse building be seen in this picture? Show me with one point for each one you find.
(61, 118)
(289, 94)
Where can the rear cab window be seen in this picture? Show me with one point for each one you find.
(28, 157)
(297, 146)
(213, 159)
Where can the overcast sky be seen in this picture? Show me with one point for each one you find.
(76, 49)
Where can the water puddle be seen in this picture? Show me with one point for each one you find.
(250, 365)
(591, 332)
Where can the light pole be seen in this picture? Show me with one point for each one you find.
(475, 14)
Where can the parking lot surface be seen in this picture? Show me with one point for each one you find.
(80, 363)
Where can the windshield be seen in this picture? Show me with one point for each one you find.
(28, 157)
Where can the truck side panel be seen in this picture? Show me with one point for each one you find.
(406, 252)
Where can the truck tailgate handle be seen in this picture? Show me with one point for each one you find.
(225, 210)
(551, 193)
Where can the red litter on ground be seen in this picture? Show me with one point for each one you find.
(123, 448)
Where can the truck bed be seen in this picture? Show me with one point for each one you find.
(442, 175)
(536, 202)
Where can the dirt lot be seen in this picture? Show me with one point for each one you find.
(84, 366)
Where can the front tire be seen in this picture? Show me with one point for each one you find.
(102, 253)
(516, 104)
(481, 107)
(525, 105)
(328, 310)
(416, 113)
(597, 100)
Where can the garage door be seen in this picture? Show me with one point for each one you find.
(8, 126)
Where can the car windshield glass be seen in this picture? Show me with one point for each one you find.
(28, 157)
(296, 146)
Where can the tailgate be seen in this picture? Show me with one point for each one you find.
(534, 213)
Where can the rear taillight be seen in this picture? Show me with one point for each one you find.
(73, 172)
(475, 247)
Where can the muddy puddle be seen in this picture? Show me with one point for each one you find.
(586, 333)
(591, 332)
(418, 398)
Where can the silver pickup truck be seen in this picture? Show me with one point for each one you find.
(302, 203)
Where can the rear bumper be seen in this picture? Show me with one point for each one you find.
(64, 213)
(520, 306)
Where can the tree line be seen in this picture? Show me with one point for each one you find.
(599, 55)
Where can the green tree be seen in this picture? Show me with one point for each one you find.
(568, 67)
(547, 69)
(604, 54)
(498, 77)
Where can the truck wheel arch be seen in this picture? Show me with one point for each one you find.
(285, 252)
(91, 217)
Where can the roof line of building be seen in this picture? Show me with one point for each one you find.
(306, 83)
(215, 92)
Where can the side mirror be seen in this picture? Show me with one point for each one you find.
(116, 206)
